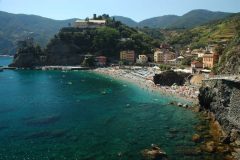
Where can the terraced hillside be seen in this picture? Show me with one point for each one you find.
(220, 32)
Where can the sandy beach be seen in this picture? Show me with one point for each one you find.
(144, 80)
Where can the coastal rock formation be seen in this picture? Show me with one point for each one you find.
(196, 138)
(155, 153)
(221, 97)
(28, 56)
(168, 78)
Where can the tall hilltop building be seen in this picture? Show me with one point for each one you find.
(89, 23)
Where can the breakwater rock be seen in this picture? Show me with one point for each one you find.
(155, 153)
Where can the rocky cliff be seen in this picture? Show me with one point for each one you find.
(222, 98)
(28, 56)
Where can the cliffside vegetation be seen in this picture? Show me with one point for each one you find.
(230, 59)
(107, 41)
(220, 32)
(28, 56)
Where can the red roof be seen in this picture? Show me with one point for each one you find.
(195, 62)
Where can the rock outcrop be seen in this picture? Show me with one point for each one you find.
(222, 98)
(168, 78)
(155, 153)
(28, 55)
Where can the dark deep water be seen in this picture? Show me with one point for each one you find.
(54, 115)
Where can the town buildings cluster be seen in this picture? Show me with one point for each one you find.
(202, 58)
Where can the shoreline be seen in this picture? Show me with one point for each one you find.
(147, 84)
(215, 131)
(120, 74)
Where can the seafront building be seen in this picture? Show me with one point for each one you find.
(163, 56)
(158, 56)
(209, 60)
(127, 56)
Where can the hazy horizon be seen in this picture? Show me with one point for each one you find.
(62, 9)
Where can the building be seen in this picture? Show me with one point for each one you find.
(158, 56)
(198, 52)
(196, 64)
(209, 60)
(168, 56)
(128, 56)
(142, 59)
(101, 61)
(176, 61)
(211, 48)
(163, 56)
(89, 23)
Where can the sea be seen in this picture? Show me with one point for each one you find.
(80, 115)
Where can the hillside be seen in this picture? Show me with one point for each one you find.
(230, 59)
(125, 20)
(159, 22)
(14, 27)
(197, 17)
(189, 20)
(70, 45)
(220, 32)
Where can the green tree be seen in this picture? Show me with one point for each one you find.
(105, 37)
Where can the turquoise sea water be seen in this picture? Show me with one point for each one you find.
(54, 115)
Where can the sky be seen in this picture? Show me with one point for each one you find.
(136, 9)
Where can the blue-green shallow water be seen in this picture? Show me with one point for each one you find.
(65, 115)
